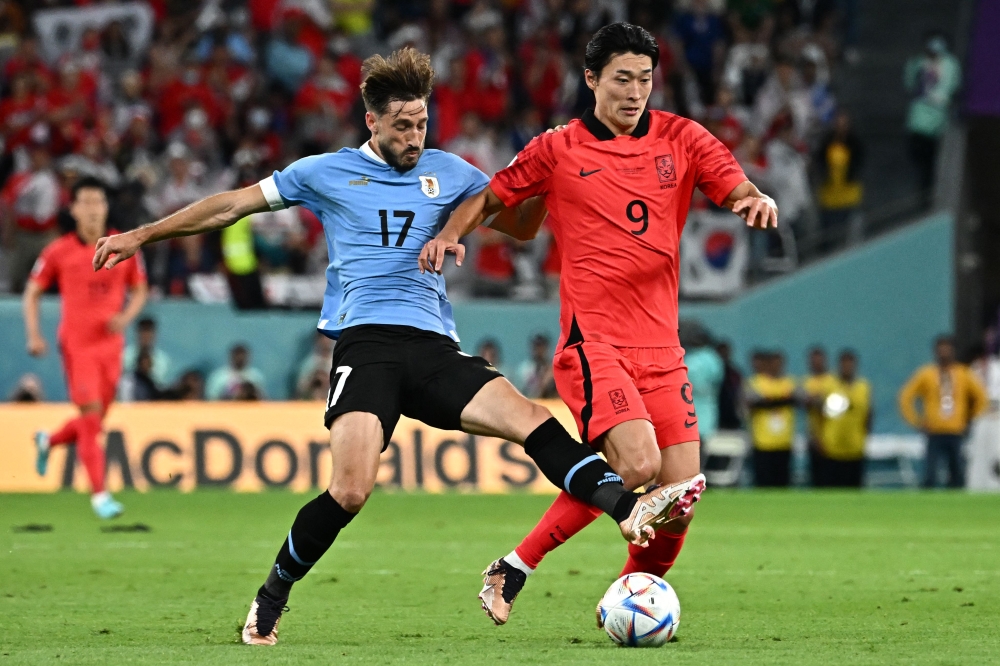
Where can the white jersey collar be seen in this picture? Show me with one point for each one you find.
(366, 149)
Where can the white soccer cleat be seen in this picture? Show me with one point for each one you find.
(261, 627)
(659, 506)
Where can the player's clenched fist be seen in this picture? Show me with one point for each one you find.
(115, 249)
(432, 256)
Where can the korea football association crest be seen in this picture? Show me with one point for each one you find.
(665, 168)
(430, 186)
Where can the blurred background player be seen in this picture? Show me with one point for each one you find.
(90, 331)
(617, 185)
(950, 396)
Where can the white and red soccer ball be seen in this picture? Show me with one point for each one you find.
(640, 610)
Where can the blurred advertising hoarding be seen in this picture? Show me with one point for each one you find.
(255, 446)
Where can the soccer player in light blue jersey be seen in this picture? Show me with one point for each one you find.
(397, 350)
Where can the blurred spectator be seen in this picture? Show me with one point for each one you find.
(27, 389)
(747, 67)
(839, 161)
(478, 146)
(726, 121)
(487, 66)
(783, 94)
(240, 260)
(248, 391)
(288, 62)
(354, 17)
(313, 379)
(227, 382)
(701, 33)
(846, 422)
(819, 384)
(932, 79)
(280, 240)
(986, 364)
(30, 201)
(706, 372)
(489, 349)
(950, 396)
(191, 386)
(535, 374)
(770, 398)
(137, 384)
(730, 390)
(160, 371)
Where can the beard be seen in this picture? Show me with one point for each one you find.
(403, 161)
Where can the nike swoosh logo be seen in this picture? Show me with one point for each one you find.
(584, 174)
(690, 424)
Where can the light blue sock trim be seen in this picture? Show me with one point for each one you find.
(569, 476)
(291, 550)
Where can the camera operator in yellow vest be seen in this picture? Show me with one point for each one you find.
(816, 387)
(951, 397)
(771, 400)
(846, 421)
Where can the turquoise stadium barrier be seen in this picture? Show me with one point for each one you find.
(887, 300)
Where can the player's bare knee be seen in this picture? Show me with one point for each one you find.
(638, 471)
(350, 497)
(538, 414)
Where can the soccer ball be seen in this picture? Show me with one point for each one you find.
(640, 610)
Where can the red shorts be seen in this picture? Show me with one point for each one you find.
(604, 385)
(92, 371)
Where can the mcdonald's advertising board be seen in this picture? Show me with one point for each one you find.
(255, 446)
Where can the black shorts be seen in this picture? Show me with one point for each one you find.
(390, 370)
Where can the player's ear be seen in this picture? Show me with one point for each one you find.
(371, 120)
(591, 79)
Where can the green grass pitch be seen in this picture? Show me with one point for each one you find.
(765, 578)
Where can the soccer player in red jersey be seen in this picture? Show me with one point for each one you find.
(617, 185)
(90, 331)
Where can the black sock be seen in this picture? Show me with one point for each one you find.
(578, 470)
(316, 526)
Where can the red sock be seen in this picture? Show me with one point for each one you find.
(658, 557)
(89, 451)
(67, 434)
(565, 517)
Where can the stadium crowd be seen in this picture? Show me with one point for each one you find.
(219, 94)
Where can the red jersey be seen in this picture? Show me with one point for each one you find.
(89, 298)
(617, 206)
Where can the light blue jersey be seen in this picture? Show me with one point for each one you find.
(377, 220)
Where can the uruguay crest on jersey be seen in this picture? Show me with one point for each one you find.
(429, 185)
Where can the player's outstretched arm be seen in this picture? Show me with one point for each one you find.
(758, 209)
(469, 215)
(32, 332)
(523, 221)
(209, 214)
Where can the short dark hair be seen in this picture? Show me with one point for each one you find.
(617, 39)
(88, 183)
(848, 354)
(944, 340)
(146, 324)
(406, 75)
(816, 349)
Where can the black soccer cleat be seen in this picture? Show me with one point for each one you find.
(261, 627)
